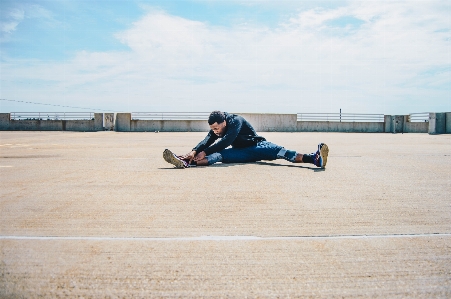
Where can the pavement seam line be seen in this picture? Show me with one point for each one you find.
(222, 238)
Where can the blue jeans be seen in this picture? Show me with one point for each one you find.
(264, 150)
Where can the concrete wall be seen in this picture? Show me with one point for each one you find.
(108, 121)
(395, 123)
(262, 122)
(400, 124)
(350, 127)
(4, 121)
(35, 125)
(387, 123)
(416, 127)
(169, 125)
(267, 122)
(448, 122)
(6, 124)
(437, 123)
(123, 122)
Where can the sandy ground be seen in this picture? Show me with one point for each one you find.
(102, 215)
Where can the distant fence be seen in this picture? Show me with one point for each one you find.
(340, 117)
(52, 115)
(425, 122)
(343, 117)
(51, 121)
(170, 115)
(419, 117)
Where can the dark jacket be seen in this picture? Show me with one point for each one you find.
(239, 133)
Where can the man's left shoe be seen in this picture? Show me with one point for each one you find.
(320, 157)
(171, 158)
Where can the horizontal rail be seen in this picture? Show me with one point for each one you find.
(340, 117)
(52, 115)
(419, 117)
(170, 115)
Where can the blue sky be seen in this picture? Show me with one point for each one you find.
(389, 57)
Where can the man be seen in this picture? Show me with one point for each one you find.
(246, 146)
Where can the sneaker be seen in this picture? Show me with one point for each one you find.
(320, 157)
(171, 158)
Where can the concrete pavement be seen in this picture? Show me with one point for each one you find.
(101, 215)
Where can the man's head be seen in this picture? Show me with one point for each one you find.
(217, 122)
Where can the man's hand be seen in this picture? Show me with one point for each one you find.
(189, 156)
(200, 156)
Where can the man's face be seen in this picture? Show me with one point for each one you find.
(219, 129)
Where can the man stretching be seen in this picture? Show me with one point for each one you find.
(247, 146)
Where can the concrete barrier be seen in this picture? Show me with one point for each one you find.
(401, 124)
(437, 123)
(394, 123)
(448, 122)
(349, 127)
(387, 123)
(7, 124)
(4, 121)
(35, 125)
(84, 125)
(262, 122)
(169, 125)
(267, 122)
(123, 122)
(416, 127)
(108, 121)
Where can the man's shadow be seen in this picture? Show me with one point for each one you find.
(315, 169)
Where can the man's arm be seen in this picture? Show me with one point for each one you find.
(208, 140)
(197, 152)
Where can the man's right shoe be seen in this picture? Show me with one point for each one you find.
(320, 157)
(171, 158)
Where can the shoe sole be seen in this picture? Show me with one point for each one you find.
(324, 152)
(168, 156)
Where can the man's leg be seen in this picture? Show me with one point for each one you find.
(293, 156)
(178, 162)
(262, 151)
(233, 155)
(267, 151)
(319, 158)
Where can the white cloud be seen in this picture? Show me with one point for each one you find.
(11, 17)
(11, 20)
(304, 65)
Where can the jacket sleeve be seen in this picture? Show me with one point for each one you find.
(208, 140)
(233, 128)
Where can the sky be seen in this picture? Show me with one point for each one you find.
(249, 56)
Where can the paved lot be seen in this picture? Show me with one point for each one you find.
(102, 215)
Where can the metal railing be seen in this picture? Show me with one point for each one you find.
(340, 117)
(170, 115)
(52, 115)
(419, 117)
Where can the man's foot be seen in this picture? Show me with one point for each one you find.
(320, 157)
(171, 158)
